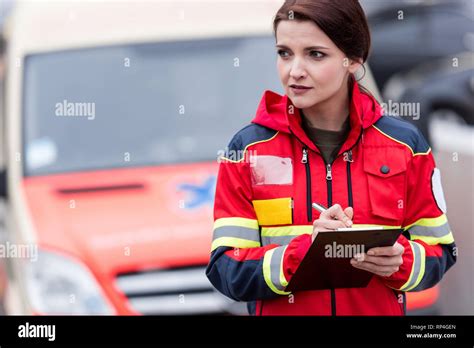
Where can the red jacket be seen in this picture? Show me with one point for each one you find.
(272, 172)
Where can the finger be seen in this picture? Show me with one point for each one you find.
(374, 268)
(399, 247)
(382, 274)
(336, 212)
(332, 212)
(328, 224)
(383, 260)
(385, 251)
(349, 212)
(374, 271)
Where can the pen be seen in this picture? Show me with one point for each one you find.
(319, 207)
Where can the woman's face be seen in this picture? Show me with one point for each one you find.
(307, 57)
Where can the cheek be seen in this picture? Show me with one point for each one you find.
(329, 71)
(282, 71)
(329, 76)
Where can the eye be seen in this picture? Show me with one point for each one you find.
(283, 53)
(316, 54)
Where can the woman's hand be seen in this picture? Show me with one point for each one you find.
(331, 219)
(382, 261)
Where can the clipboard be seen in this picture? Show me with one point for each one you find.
(325, 267)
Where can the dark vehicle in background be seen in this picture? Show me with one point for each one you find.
(444, 88)
(422, 52)
(409, 33)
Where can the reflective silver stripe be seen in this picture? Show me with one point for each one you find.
(430, 231)
(275, 266)
(281, 240)
(416, 265)
(237, 232)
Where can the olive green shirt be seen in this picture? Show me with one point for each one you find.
(327, 141)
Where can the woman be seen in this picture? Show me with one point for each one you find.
(325, 141)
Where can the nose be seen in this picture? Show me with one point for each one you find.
(297, 70)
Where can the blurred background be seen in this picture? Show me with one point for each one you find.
(112, 116)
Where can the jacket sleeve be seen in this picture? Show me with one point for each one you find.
(428, 241)
(240, 267)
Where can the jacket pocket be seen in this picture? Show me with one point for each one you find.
(385, 170)
(277, 211)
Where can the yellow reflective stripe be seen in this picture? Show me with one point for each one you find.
(236, 221)
(267, 270)
(283, 280)
(418, 269)
(268, 262)
(430, 222)
(421, 274)
(233, 243)
(412, 269)
(421, 271)
(220, 229)
(294, 230)
(447, 239)
(302, 229)
(439, 225)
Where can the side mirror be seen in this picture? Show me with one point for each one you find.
(3, 183)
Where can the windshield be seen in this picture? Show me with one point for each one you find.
(143, 104)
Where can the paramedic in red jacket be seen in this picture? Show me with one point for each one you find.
(325, 141)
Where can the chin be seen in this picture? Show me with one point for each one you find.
(302, 102)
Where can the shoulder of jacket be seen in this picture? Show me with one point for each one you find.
(249, 135)
(402, 132)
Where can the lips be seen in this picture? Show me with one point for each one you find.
(300, 87)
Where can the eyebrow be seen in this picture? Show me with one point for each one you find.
(307, 48)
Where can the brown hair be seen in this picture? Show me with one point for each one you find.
(343, 21)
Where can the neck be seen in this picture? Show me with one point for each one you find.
(331, 113)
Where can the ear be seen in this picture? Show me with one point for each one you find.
(354, 65)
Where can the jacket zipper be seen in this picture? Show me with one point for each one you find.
(329, 190)
(350, 201)
(329, 183)
(304, 159)
(329, 198)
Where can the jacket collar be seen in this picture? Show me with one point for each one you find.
(278, 112)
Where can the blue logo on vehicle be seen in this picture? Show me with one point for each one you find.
(199, 194)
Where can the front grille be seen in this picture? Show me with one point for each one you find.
(178, 291)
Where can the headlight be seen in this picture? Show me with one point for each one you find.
(60, 285)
